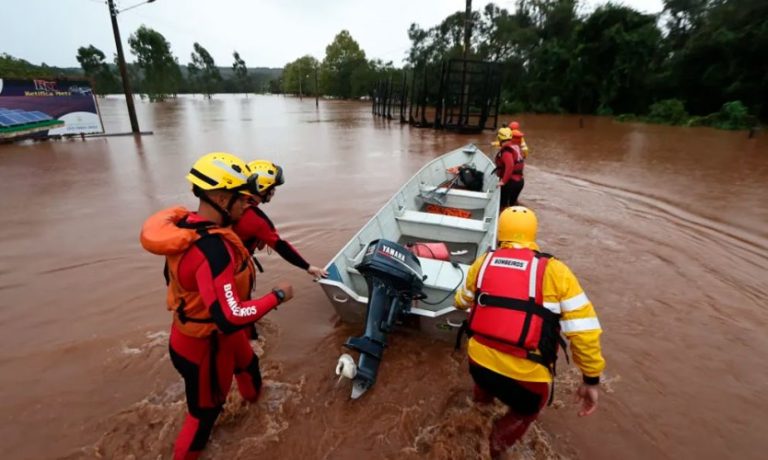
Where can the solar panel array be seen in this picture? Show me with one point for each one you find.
(11, 118)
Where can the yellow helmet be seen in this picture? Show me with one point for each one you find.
(518, 224)
(221, 171)
(266, 176)
(504, 134)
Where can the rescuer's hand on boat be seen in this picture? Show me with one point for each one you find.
(317, 272)
(587, 395)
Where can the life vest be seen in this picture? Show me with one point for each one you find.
(437, 251)
(508, 314)
(169, 234)
(518, 161)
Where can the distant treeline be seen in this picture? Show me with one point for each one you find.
(696, 62)
(107, 78)
(692, 58)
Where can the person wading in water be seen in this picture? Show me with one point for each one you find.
(509, 166)
(210, 276)
(521, 300)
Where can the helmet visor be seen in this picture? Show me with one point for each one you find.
(279, 179)
(251, 186)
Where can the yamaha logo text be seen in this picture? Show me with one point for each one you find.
(392, 253)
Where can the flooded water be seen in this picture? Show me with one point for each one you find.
(666, 228)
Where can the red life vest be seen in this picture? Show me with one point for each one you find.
(508, 314)
(518, 161)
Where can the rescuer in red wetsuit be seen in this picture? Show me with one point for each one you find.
(515, 126)
(210, 275)
(509, 166)
(257, 230)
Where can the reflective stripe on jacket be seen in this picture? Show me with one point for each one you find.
(561, 294)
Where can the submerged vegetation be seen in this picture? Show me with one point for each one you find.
(732, 115)
(696, 63)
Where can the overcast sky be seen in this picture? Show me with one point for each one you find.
(266, 33)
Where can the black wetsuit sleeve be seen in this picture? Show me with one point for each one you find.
(290, 254)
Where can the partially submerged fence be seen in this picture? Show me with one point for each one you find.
(458, 95)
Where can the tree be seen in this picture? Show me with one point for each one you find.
(203, 73)
(92, 60)
(443, 41)
(241, 74)
(343, 58)
(721, 56)
(299, 76)
(11, 67)
(275, 85)
(618, 53)
(162, 76)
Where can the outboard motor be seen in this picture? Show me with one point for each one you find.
(394, 279)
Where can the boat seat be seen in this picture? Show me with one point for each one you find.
(455, 192)
(458, 198)
(441, 275)
(429, 218)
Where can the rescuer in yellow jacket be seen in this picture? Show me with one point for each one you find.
(521, 300)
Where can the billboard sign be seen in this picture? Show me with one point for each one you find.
(58, 106)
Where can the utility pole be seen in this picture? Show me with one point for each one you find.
(301, 77)
(123, 71)
(317, 90)
(467, 27)
(464, 109)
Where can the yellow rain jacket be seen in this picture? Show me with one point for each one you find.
(578, 322)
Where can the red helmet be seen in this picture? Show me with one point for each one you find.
(514, 125)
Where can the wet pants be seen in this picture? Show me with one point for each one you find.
(207, 366)
(524, 399)
(509, 193)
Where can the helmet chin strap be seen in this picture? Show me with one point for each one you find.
(226, 214)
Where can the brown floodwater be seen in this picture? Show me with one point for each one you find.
(666, 227)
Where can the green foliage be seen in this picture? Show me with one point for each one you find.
(510, 106)
(11, 67)
(604, 111)
(343, 60)
(554, 55)
(203, 73)
(275, 85)
(299, 76)
(668, 111)
(615, 59)
(627, 117)
(241, 73)
(616, 52)
(732, 115)
(717, 54)
(162, 76)
(92, 60)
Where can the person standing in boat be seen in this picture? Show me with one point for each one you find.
(521, 301)
(515, 126)
(509, 166)
(210, 276)
(255, 228)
